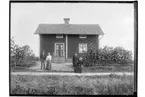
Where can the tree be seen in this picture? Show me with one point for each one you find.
(19, 54)
(12, 46)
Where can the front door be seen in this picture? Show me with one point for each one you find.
(59, 49)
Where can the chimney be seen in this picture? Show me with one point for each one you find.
(66, 20)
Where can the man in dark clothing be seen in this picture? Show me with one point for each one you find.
(42, 59)
(75, 61)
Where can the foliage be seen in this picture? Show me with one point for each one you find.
(107, 55)
(21, 55)
(74, 85)
(109, 68)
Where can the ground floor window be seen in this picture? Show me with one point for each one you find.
(82, 47)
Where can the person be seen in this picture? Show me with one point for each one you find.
(79, 65)
(75, 61)
(42, 59)
(48, 61)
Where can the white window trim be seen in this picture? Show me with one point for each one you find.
(84, 44)
(83, 36)
(55, 48)
(59, 36)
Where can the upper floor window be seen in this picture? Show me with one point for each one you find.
(59, 36)
(83, 36)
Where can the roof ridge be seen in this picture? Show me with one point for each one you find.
(90, 29)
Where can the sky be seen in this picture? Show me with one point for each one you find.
(115, 19)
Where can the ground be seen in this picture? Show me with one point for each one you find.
(98, 80)
(68, 67)
(64, 69)
(75, 85)
(56, 67)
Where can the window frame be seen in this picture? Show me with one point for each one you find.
(83, 36)
(59, 36)
(86, 45)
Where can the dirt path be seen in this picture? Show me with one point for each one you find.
(55, 67)
(70, 74)
(35, 70)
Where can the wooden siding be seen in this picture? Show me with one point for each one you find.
(74, 40)
(47, 42)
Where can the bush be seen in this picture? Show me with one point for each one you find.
(21, 55)
(107, 55)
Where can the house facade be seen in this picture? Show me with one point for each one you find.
(63, 40)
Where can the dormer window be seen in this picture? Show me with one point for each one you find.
(83, 36)
(59, 36)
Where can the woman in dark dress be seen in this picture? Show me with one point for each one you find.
(79, 65)
(75, 61)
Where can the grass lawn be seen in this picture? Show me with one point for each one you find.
(74, 85)
(92, 69)
(111, 68)
(24, 66)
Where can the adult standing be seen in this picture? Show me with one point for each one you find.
(75, 61)
(42, 59)
(48, 61)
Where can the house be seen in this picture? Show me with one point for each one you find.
(63, 40)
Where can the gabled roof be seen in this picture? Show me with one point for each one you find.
(88, 29)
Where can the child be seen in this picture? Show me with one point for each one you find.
(79, 65)
(48, 61)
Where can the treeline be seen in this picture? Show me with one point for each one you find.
(21, 55)
(107, 56)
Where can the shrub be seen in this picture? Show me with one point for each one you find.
(21, 55)
(107, 55)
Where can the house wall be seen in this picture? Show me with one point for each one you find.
(74, 40)
(47, 42)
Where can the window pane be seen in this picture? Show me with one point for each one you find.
(83, 36)
(59, 36)
(82, 47)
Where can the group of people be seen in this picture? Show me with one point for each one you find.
(77, 63)
(45, 61)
